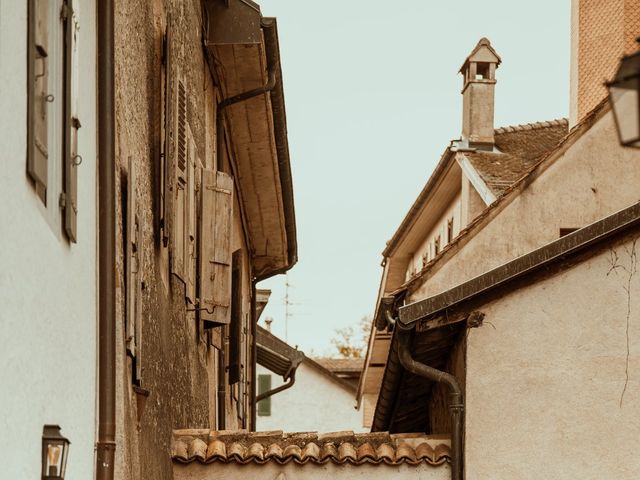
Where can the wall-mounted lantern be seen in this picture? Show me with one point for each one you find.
(624, 97)
(55, 449)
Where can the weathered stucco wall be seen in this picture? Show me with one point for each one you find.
(314, 403)
(545, 379)
(48, 319)
(293, 471)
(595, 177)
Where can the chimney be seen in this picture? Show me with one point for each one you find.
(479, 82)
(602, 31)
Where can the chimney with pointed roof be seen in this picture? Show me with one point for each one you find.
(479, 77)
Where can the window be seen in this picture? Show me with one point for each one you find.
(450, 230)
(236, 326)
(133, 276)
(436, 245)
(52, 133)
(264, 406)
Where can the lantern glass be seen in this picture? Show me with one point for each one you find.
(624, 96)
(55, 449)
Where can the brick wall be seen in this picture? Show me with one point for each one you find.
(603, 31)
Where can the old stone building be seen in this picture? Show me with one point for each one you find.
(204, 212)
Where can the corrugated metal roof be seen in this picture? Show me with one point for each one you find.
(244, 447)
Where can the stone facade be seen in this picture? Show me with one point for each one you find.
(180, 374)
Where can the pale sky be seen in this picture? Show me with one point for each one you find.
(372, 94)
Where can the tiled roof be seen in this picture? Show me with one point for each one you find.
(347, 447)
(522, 146)
(339, 365)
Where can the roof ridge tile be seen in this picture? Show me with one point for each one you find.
(558, 122)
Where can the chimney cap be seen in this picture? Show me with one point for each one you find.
(483, 52)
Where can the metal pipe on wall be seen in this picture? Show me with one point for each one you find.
(106, 445)
(254, 354)
(456, 405)
(222, 390)
(281, 388)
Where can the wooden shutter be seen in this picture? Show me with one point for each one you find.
(37, 94)
(235, 334)
(190, 218)
(161, 172)
(133, 282)
(216, 210)
(264, 385)
(71, 122)
(167, 152)
(178, 179)
(175, 171)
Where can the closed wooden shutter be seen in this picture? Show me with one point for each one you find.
(235, 333)
(72, 159)
(215, 247)
(38, 96)
(167, 123)
(133, 282)
(264, 385)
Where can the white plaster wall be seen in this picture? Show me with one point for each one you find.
(47, 286)
(314, 403)
(293, 471)
(545, 376)
(595, 178)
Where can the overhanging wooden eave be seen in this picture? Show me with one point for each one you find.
(257, 134)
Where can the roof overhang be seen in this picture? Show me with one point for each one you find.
(244, 55)
(262, 298)
(439, 321)
(276, 355)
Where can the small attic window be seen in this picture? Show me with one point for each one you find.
(482, 71)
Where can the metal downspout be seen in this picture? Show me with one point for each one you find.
(222, 391)
(254, 354)
(106, 445)
(456, 405)
(281, 388)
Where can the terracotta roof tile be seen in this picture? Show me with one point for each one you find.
(308, 447)
(521, 147)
